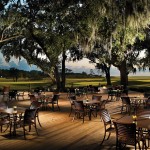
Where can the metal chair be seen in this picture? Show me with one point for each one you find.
(81, 111)
(4, 118)
(126, 135)
(96, 97)
(54, 101)
(96, 107)
(147, 103)
(33, 97)
(71, 99)
(126, 104)
(20, 94)
(108, 124)
(36, 105)
(6, 90)
(28, 120)
(13, 95)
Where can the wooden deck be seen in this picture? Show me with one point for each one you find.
(59, 132)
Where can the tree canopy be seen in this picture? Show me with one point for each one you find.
(42, 31)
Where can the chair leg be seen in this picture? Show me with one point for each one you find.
(1, 127)
(52, 106)
(10, 129)
(83, 118)
(24, 132)
(89, 114)
(70, 112)
(121, 109)
(36, 129)
(138, 145)
(103, 138)
(39, 121)
(58, 107)
(74, 116)
(108, 136)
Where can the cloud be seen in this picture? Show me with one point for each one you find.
(77, 67)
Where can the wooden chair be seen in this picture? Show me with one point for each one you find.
(32, 97)
(126, 135)
(13, 95)
(126, 104)
(54, 101)
(146, 95)
(6, 90)
(71, 99)
(96, 97)
(147, 103)
(145, 132)
(111, 94)
(28, 120)
(108, 124)
(21, 95)
(147, 137)
(4, 121)
(102, 105)
(96, 107)
(80, 111)
(36, 105)
(4, 118)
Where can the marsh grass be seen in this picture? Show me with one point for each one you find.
(139, 82)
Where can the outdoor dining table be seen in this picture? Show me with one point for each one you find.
(138, 102)
(13, 113)
(114, 94)
(142, 121)
(138, 99)
(44, 100)
(89, 104)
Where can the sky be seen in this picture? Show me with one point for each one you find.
(76, 67)
(15, 63)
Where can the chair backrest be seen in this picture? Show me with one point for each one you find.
(146, 95)
(125, 100)
(148, 102)
(105, 116)
(96, 97)
(55, 97)
(13, 93)
(35, 105)
(102, 104)
(126, 133)
(32, 97)
(72, 98)
(6, 89)
(3, 105)
(79, 106)
(29, 115)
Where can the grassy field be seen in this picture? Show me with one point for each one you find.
(139, 82)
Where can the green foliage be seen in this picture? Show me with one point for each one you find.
(40, 31)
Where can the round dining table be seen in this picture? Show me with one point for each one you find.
(142, 121)
(14, 113)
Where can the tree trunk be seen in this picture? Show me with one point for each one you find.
(123, 74)
(107, 72)
(57, 77)
(63, 75)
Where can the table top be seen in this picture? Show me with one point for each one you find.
(18, 110)
(141, 121)
(90, 101)
(138, 98)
